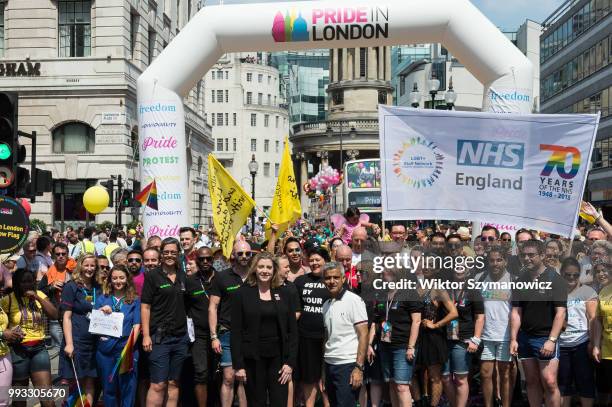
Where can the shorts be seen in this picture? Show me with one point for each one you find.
(373, 372)
(496, 350)
(459, 359)
(226, 350)
(167, 357)
(576, 371)
(603, 371)
(310, 359)
(395, 366)
(529, 347)
(337, 385)
(29, 359)
(200, 354)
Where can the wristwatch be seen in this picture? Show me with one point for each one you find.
(360, 367)
(553, 339)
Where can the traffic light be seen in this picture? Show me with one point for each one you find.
(126, 198)
(8, 142)
(110, 188)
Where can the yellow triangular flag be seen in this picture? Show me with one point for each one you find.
(286, 207)
(231, 205)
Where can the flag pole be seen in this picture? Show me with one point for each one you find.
(76, 378)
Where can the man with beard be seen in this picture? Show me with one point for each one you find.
(134, 265)
(537, 319)
(222, 290)
(197, 287)
(293, 251)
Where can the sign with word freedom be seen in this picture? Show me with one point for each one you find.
(525, 170)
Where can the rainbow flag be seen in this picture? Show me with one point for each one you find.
(125, 363)
(73, 399)
(148, 196)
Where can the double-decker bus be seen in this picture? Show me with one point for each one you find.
(362, 187)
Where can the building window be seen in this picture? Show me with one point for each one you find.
(260, 98)
(226, 144)
(253, 145)
(212, 116)
(151, 45)
(266, 120)
(227, 119)
(269, 99)
(212, 75)
(220, 96)
(249, 100)
(134, 20)
(266, 169)
(338, 97)
(340, 64)
(363, 62)
(2, 29)
(219, 144)
(226, 96)
(249, 77)
(212, 94)
(73, 138)
(274, 100)
(276, 146)
(276, 122)
(253, 119)
(382, 97)
(235, 143)
(235, 119)
(276, 168)
(74, 28)
(269, 79)
(266, 146)
(226, 74)
(259, 78)
(219, 119)
(219, 74)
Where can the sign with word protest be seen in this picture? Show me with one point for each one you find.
(231, 205)
(14, 225)
(527, 170)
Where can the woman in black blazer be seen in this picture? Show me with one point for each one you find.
(264, 334)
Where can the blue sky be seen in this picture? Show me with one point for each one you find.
(506, 14)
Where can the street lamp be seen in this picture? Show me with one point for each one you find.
(352, 133)
(450, 97)
(415, 96)
(253, 167)
(434, 85)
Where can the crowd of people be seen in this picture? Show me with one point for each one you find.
(297, 319)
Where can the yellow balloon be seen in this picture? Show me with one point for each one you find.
(96, 199)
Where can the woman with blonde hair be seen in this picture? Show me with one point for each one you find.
(78, 299)
(119, 295)
(264, 334)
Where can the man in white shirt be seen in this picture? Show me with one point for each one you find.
(346, 327)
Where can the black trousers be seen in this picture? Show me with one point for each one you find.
(262, 383)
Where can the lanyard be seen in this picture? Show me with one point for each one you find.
(458, 299)
(88, 297)
(117, 303)
(388, 305)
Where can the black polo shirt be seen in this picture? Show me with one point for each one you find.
(538, 305)
(167, 302)
(224, 285)
(197, 291)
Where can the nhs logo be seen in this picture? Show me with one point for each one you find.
(481, 153)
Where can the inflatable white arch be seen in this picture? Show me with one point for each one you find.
(505, 72)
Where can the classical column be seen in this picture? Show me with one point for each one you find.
(334, 72)
(357, 69)
(345, 64)
(372, 74)
(387, 63)
(381, 63)
(351, 63)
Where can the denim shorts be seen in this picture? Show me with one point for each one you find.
(529, 347)
(394, 364)
(29, 359)
(496, 350)
(167, 357)
(226, 354)
(459, 359)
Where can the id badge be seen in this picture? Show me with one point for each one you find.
(190, 330)
(453, 330)
(385, 335)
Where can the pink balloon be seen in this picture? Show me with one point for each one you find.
(26, 206)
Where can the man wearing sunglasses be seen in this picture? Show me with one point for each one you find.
(222, 290)
(134, 265)
(538, 315)
(197, 291)
(489, 236)
(52, 284)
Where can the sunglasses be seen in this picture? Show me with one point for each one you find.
(134, 260)
(105, 267)
(487, 238)
(243, 254)
(571, 276)
(507, 239)
(61, 254)
(206, 258)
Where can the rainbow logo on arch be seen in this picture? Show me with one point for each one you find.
(290, 27)
(558, 158)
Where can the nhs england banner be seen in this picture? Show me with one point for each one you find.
(525, 170)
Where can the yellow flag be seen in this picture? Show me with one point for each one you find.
(231, 205)
(286, 207)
